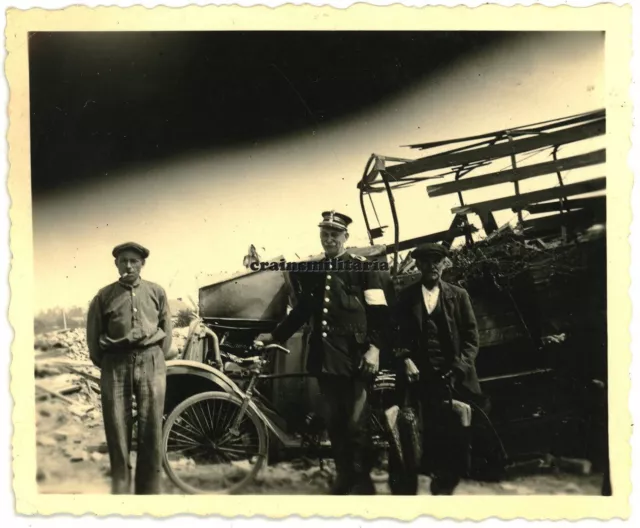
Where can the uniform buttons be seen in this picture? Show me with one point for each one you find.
(133, 294)
(326, 299)
(325, 310)
(327, 287)
(135, 309)
(324, 322)
(324, 334)
(329, 277)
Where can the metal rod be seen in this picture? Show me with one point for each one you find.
(396, 227)
(364, 212)
(563, 199)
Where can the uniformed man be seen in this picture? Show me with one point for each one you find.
(348, 311)
(129, 337)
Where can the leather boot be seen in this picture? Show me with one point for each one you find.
(344, 475)
(363, 485)
(341, 484)
(444, 484)
(362, 482)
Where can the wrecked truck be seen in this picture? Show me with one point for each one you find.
(538, 287)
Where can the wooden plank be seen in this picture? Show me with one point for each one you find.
(516, 375)
(55, 393)
(498, 336)
(597, 184)
(433, 237)
(555, 221)
(51, 353)
(65, 362)
(500, 150)
(492, 318)
(594, 202)
(520, 173)
(69, 389)
(528, 129)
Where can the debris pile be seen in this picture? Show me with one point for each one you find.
(73, 343)
(507, 253)
(69, 428)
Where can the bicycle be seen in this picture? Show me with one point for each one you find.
(217, 442)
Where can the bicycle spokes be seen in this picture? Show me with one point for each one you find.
(212, 444)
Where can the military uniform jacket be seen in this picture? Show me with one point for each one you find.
(347, 310)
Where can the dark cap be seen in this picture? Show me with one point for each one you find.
(144, 252)
(430, 250)
(335, 220)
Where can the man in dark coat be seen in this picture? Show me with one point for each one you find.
(344, 299)
(129, 337)
(436, 344)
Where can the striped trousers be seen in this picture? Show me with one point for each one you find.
(139, 373)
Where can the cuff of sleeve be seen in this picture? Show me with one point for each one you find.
(278, 336)
(401, 353)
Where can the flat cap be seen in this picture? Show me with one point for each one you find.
(335, 220)
(429, 250)
(144, 252)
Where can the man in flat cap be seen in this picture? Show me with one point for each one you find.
(129, 337)
(349, 313)
(436, 344)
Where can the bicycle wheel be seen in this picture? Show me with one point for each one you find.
(201, 452)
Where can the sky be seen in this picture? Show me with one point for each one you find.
(198, 209)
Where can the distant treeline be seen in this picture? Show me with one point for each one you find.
(55, 319)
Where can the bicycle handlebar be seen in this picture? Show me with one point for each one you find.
(261, 346)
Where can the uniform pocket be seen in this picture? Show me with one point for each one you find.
(351, 298)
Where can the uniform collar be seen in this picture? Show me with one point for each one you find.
(342, 256)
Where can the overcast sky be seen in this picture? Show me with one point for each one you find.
(199, 213)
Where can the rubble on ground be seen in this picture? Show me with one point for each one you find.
(68, 408)
(71, 441)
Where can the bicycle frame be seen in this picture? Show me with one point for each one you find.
(177, 367)
(251, 396)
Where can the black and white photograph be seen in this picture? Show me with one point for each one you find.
(320, 262)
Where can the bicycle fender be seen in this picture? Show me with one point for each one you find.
(194, 368)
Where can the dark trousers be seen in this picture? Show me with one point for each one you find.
(139, 373)
(348, 418)
(445, 441)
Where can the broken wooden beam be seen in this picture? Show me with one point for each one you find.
(522, 200)
(64, 362)
(56, 394)
(578, 218)
(500, 150)
(596, 202)
(535, 128)
(91, 377)
(519, 173)
(433, 237)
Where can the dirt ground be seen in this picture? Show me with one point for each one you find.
(72, 459)
(72, 455)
